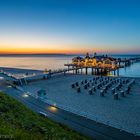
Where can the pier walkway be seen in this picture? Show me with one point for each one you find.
(127, 62)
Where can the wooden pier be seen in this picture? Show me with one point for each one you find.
(91, 69)
(127, 62)
(95, 70)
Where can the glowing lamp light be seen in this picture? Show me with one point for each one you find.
(52, 108)
(1, 78)
(25, 95)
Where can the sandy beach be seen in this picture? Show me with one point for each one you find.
(123, 113)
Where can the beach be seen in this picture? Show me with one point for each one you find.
(105, 109)
(122, 114)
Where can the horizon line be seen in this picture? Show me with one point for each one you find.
(67, 54)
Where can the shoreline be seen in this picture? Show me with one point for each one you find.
(13, 70)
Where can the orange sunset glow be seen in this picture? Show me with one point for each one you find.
(60, 49)
(29, 31)
(27, 50)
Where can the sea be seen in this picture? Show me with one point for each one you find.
(54, 62)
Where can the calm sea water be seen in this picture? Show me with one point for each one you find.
(42, 62)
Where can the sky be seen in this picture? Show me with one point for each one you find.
(70, 26)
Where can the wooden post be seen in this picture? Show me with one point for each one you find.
(73, 69)
(76, 70)
(118, 72)
(101, 70)
(50, 73)
(106, 70)
(97, 71)
(119, 63)
(68, 69)
(92, 70)
(86, 70)
(114, 72)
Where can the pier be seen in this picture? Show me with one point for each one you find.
(94, 70)
(127, 62)
(96, 66)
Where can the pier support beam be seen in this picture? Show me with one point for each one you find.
(119, 64)
(86, 70)
(81, 70)
(76, 70)
(50, 73)
(106, 70)
(68, 69)
(101, 71)
(117, 72)
(97, 71)
(92, 72)
(114, 72)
